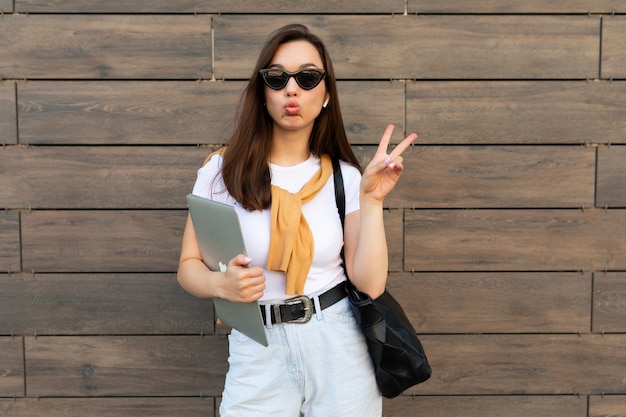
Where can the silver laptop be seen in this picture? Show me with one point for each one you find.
(219, 237)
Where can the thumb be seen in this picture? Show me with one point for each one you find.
(240, 260)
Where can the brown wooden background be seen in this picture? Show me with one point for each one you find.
(507, 232)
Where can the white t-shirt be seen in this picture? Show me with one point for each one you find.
(320, 213)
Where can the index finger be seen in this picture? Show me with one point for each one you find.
(401, 147)
(384, 140)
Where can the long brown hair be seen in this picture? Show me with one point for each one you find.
(245, 169)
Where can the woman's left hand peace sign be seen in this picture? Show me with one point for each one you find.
(383, 172)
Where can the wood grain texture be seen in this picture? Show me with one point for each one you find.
(106, 47)
(11, 367)
(10, 254)
(83, 112)
(496, 177)
(516, 6)
(384, 47)
(8, 126)
(121, 240)
(125, 366)
(611, 182)
(108, 113)
(6, 6)
(102, 241)
(521, 112)
(524, 364)
(495, 302)
(137, 177)
(614, 47)
(487, 406)
(212, 6)
(108, 407)
(368, 107)
(113, 6)
(609, 302)
(607, 406)
(92, 304)
(514, 240)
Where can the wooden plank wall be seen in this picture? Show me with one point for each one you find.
(507, 233)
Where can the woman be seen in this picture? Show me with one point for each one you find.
(276, 171)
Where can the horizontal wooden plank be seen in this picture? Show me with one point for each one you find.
(8, 120)
(213, 6)
(309, 6)
(495, 302)
(609, 302)
(524, 364)
(108, 407)
(75, 304)
(485, 47)
(6, 6)
(102, 241)
(75, 112)
(9, 241)
(133, 112)
(365, 118)
(487, 406)
(106, 46)
(112, 6)
(125, 366)
(516, 6)
(11, 367)
(614, 47)
(122, 241)
(611, 177)
(545, 112)
(515, 240)
(179, 112)
(99, 177)
(496, 177)
(607, 406)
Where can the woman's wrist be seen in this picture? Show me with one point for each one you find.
(368, 203)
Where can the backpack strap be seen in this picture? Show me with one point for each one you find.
(340, 199)
(340, 196)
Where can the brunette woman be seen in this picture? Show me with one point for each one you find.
(276, 170)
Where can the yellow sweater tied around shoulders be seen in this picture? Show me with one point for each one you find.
(291, 240)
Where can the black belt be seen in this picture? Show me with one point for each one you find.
(300, 309)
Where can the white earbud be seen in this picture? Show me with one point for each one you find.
(326, 102)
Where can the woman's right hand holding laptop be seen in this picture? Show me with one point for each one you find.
(240, 282)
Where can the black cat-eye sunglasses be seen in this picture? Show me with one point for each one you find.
(307, 79)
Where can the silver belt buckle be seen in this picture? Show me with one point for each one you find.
(308, 309)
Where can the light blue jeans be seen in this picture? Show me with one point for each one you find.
(320, 369)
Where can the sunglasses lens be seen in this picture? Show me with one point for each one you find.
(308, 79)
(275, 79)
